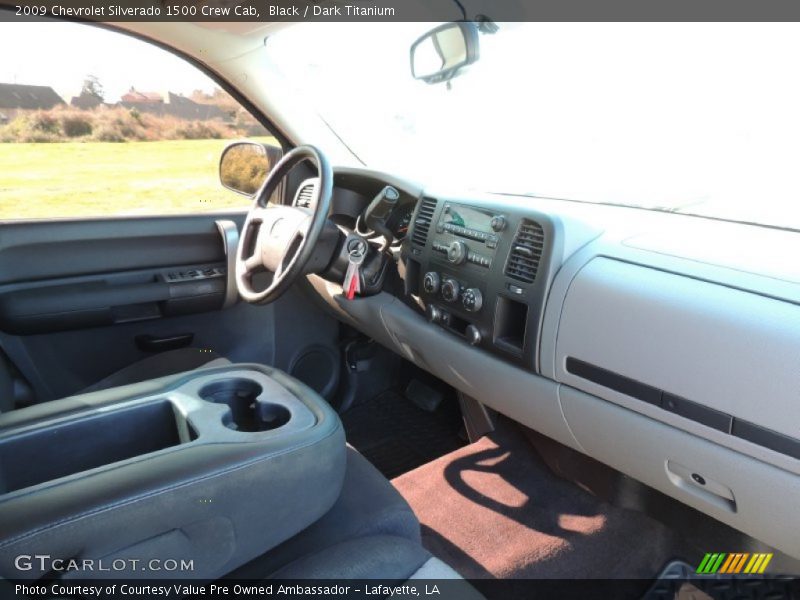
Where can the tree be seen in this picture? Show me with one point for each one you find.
(93, 87)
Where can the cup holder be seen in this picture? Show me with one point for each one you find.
(247, 413)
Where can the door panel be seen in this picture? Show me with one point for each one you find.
(58, 248)
(103, 282)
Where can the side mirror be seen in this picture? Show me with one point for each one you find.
(243, 166)
(439, 54)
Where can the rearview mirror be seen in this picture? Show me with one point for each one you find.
(243, 166)
(439, 54)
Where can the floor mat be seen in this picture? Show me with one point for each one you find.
(396, 436)
(493, 510)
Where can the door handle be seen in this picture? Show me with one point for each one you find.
(152, 343)
(230, 240)
(701, 486)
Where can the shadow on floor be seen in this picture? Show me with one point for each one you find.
(493, 510)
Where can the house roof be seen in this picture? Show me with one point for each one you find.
(185, 108)
(13, 95)
(145, 97)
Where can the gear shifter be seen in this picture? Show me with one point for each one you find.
(379, 210)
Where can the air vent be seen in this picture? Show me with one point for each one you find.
(526, 252)
(305, 194)
(423, 221)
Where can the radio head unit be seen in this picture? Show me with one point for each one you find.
(471, 222)
(481, 272)
(481, 227)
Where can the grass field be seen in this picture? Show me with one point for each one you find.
(106, 179)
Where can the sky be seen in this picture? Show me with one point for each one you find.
(701, 116)
(61, 55)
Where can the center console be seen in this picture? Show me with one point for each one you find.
(481, 272)
(215, 466)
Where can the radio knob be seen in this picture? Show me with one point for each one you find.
(472, 299)
(498, 223)
(457, 253)
(431, 282)
(473, 335)
(450, 290)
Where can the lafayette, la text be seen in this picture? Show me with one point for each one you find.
(181, 590)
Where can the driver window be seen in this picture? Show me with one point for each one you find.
(131, 130)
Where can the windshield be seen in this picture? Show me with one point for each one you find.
(695, 118)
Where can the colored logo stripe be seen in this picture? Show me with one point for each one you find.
(734, 563)
(727, 564)
(758, 563)
(737, 566)
(710, 563)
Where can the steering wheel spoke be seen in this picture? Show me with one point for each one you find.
(291, 250)
(279, 238)
(253, 263)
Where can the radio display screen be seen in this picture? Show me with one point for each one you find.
(467, 217)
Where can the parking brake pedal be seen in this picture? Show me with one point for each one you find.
(423, 395)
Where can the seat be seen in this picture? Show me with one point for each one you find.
(389, 559)
(159, 365)
(374, 557)
(368, 505)
(369, 533)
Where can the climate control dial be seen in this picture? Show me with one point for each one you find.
(473, 335)
(451, 290)
(431, 282)
(435, 314)
(472, 299)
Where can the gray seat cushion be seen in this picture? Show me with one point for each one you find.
(368, 505)
(215, 500)
(390, 559)
(6, 387)
(375, 557)
(159, 365)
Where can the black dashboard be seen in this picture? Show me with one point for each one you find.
(478, 268)
(352, 192)
(481, 272)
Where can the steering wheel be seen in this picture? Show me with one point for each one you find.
(279, 238)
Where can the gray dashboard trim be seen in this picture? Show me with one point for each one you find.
(554, 367)
(747, 494)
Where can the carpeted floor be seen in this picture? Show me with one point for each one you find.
(493, 510)
(397, 436)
